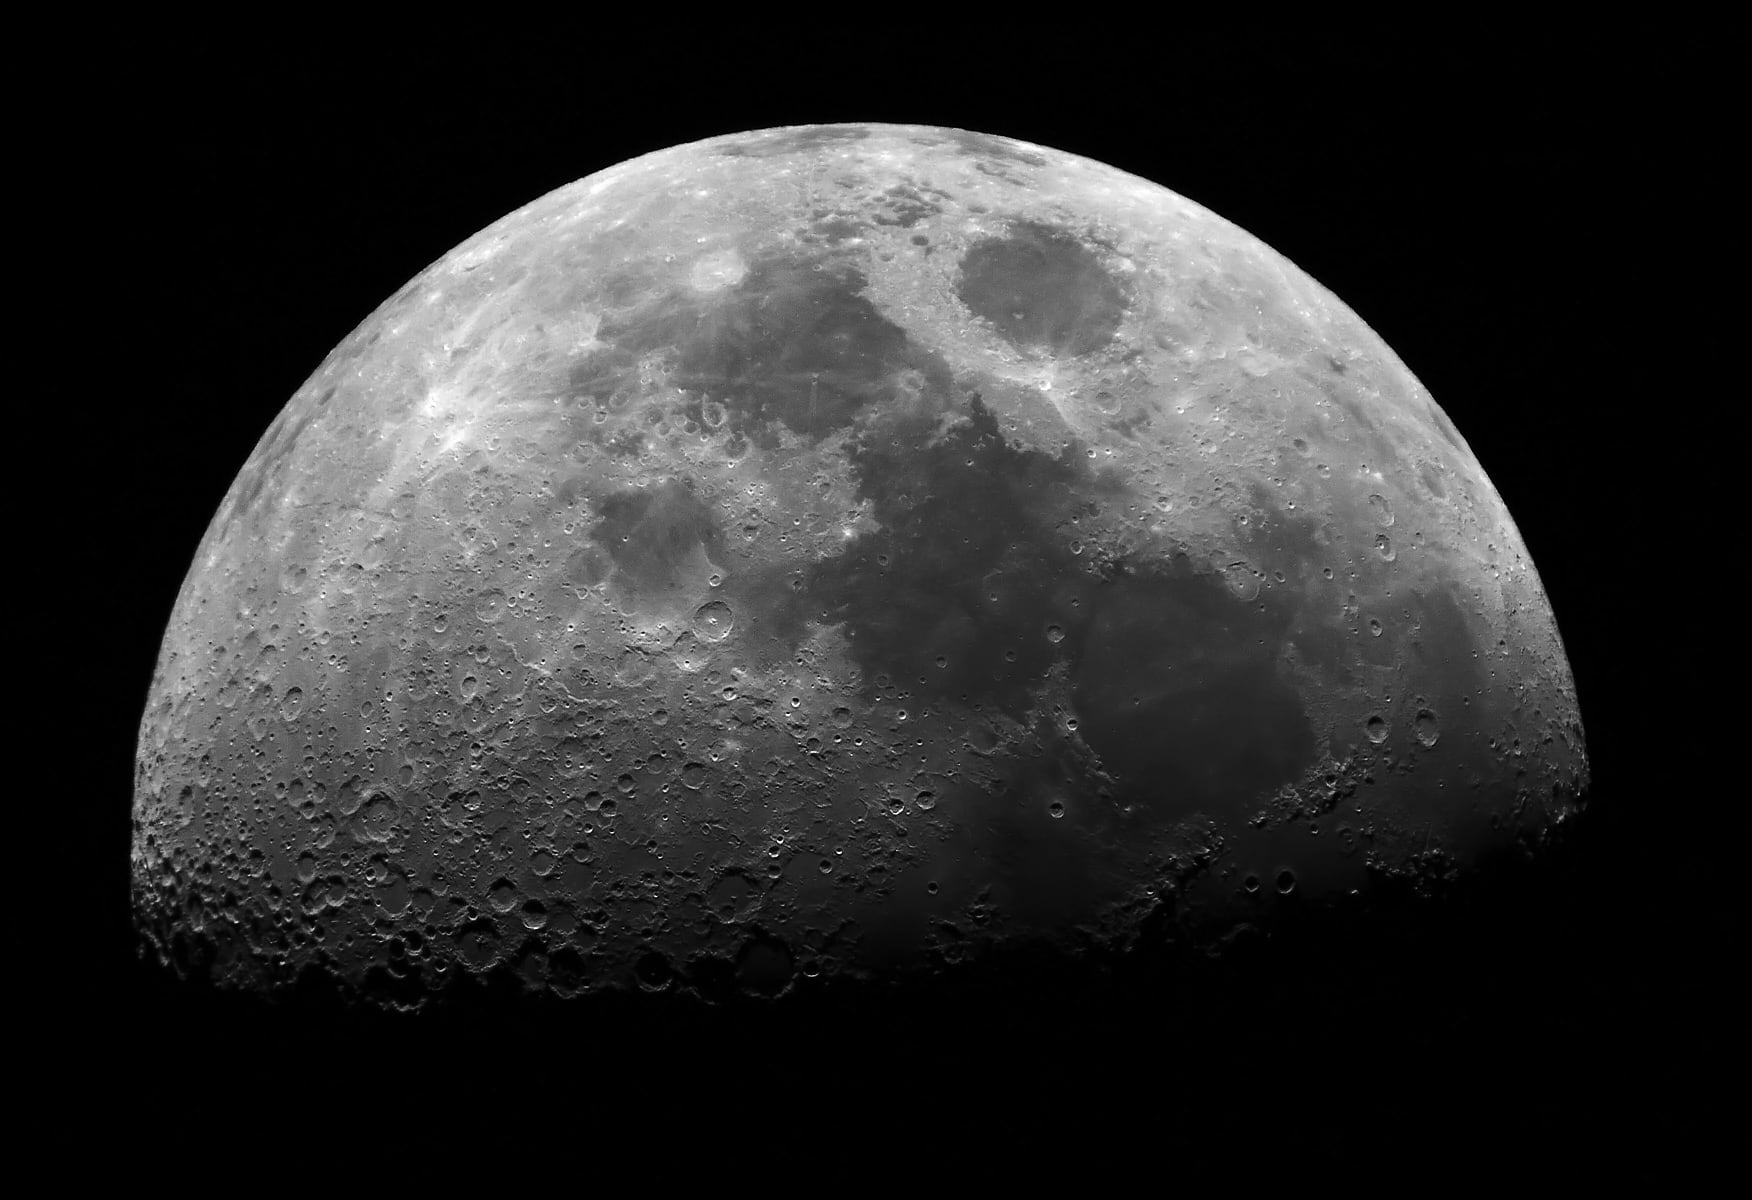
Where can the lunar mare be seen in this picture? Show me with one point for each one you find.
(828, 551)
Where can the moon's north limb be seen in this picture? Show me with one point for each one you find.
(821, 550)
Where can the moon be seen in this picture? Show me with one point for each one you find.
(834, 553)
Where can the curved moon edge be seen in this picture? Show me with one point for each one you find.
(829, 552)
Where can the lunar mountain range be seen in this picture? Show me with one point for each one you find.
(834, 552)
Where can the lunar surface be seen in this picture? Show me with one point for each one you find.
(831, 553)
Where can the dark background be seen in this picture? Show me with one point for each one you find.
(1523, 218)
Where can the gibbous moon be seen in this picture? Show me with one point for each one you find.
(828, 553)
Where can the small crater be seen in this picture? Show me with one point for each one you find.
(714, 620)
(734, 897)
(764, 966)
(490, 605)
(653, 971)
(717, 271)
(587, 566)
(534, 914)
(377, 818)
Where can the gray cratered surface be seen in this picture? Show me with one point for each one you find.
(826, 550)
